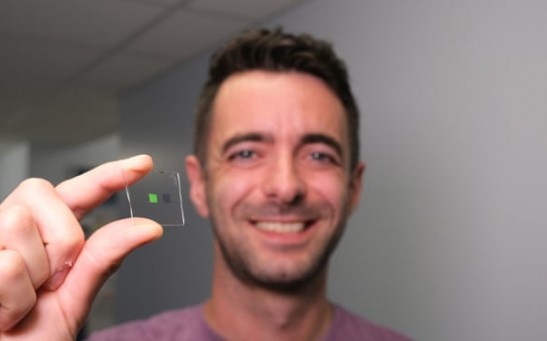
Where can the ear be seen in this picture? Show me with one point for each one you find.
(355, 185)
(196, 177)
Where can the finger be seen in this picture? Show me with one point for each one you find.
(60, 232)
(17, 295)
(87, 191)
(18, 232)
(100, 257)
(57, 210)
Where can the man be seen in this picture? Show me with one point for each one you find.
(276, 169)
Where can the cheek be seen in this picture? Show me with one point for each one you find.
(228, 190)
(332, 189)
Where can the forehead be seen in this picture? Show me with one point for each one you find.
(284, 104)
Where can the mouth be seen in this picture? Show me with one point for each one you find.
(282, 227)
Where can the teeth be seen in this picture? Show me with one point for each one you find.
(280, 227)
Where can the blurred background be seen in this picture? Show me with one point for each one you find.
(449, 241)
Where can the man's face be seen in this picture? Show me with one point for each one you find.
(277, 187)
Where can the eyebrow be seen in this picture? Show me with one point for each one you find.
(306, 139)
(247, 137)
(324, 139)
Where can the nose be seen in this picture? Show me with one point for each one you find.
(283, 182)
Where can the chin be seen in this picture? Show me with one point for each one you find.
(283, 280)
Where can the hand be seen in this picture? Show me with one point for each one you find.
(49, 274)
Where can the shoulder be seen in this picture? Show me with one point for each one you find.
(181, 324)
(347, 325)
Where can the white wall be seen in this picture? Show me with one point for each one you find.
(176, 270)
(14, 165)
(449, 243)
(57, 165)
(20, 160)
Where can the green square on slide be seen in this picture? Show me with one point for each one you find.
(152, 198)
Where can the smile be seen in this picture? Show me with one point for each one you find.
(280, 227)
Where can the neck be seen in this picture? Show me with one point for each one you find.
(241, 311)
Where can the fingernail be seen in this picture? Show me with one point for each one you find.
(58, 277)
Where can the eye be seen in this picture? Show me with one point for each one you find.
(323, 157)
(244, 154)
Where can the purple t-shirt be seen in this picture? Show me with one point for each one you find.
(189, 325)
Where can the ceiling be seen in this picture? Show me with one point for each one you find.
(64, 62)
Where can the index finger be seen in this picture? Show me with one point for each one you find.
(87, 191)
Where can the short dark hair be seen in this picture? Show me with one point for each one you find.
(275, 50)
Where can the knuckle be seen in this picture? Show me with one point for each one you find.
(71, 239)
(65, 247)
(16, 218)
(12, 265)
(27, 191)
(35, 184)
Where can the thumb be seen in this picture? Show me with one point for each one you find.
(101, 255)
